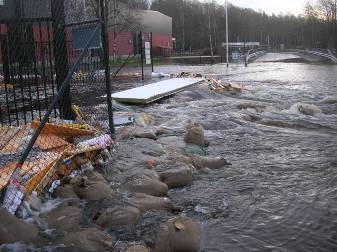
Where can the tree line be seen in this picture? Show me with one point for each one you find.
(201, 24)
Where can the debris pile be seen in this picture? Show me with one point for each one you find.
(218, 87)
(60, 150)
(188, 75)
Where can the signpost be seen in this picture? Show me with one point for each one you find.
(148, 60)
(227, 60)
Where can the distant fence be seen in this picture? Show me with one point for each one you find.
(195, 59)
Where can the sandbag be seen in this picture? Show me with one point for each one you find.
(208, 162)
(144, 120)
(90, 240)
(176, 235)
(14, 230)
(143, 183)
(145, 133)
(177, 177)
(146, 202)
(137, 132)
(63, 218)
(195, 135)
(66, 192)
(117, 217)
(200, 162)
(137, 248)
(97, 177)
(93, 191)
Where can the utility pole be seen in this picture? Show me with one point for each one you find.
(302, 30)
(226, 5)
(210, 29)
(335, 24)
(268, 39)
(245, 52)
(183, 24)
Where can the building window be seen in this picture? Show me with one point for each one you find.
(2, 2)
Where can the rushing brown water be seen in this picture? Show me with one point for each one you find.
(280, 136)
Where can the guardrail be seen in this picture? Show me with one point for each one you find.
(326, 53)
(254, 53)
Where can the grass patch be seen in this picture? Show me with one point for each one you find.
(137, 62)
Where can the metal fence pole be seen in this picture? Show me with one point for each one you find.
(61, 56)
(141, 52)
(152, 63)
(105, 47)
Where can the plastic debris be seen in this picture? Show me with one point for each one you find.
(54, 186)
(123, 118)
(78, 113)
(102, 141)
(151, 164)
(13, 196)
(160, 75)
(188, 75)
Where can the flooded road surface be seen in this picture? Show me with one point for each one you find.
(280, 134)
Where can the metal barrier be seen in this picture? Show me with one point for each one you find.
(325, 53)
(253, 54)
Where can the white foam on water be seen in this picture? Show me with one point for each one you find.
(305, 109)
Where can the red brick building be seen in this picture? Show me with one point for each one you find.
(120, 43)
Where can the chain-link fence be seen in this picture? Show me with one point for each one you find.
(46, 62)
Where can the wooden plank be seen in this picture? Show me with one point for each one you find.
(50, 141)
(5, 174)
(19, 140)
(155, 91)
(34, 182)
(64, 130)
(6, 134)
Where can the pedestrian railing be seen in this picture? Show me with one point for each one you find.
(325, 53)
(254, 53)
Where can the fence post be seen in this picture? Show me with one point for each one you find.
(152, 63)
(105, 47)
(141, 52)
(61, 56)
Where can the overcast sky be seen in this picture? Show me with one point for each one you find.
(271, 6)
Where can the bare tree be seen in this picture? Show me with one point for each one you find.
(120, 16)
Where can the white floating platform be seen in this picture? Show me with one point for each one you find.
(155, 91)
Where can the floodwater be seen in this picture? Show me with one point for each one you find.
(280, 134)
